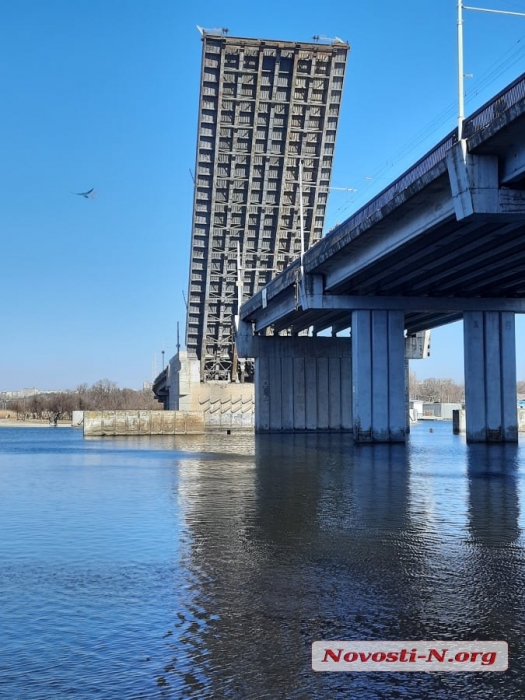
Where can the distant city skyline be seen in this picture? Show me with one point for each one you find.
(20, 393)
(105, 96)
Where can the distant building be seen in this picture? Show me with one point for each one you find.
(416, 408)
(26, 393)
(441, 411)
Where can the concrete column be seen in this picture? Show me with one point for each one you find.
(490, 376)
(407, 395)
(378, 376)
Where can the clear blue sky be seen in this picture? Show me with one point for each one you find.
(104, 94)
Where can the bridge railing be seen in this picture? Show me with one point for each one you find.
(508, 97)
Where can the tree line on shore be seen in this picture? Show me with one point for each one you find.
(104, 395)
(431, 390)
(443, 390)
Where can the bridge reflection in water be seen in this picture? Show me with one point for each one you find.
(313, 537)
(205, 566)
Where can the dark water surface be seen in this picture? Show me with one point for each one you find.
(205, 567)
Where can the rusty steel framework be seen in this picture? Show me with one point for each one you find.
(265, 108)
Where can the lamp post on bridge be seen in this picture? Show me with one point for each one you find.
(301, 208)
(461, 74)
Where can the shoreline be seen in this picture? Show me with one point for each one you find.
(13, 423)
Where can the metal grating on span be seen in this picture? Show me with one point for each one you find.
(265, 106)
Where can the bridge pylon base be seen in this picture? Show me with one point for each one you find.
(378, 376)
(302, 384)
(490, 376)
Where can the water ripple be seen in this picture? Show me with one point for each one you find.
(205, 566)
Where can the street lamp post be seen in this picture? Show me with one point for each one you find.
(461, 74)
(461, 81)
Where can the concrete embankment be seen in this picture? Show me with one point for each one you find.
(101, 423)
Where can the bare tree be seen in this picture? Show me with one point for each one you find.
(433, 390)
(106, 395)
(60, 405)
(103, 395)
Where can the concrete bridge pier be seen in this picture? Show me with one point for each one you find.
(490, 376)
(301, 384)
(378, 376)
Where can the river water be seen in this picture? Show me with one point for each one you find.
(205, 567)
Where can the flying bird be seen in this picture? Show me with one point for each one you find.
(90, 194)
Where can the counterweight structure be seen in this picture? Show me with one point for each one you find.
(266, 109)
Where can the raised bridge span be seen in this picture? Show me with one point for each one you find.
(445, 241)
(267, 124)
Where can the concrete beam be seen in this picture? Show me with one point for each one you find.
(277, 309)
(476, 191)
(372, 248)
(429, 322)
(512, 166)
(310, 301)
(300, 346)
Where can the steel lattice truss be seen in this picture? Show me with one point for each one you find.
(265, 106)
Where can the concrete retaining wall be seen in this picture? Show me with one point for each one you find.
(98, 423)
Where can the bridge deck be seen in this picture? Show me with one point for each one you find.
(409, 242)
